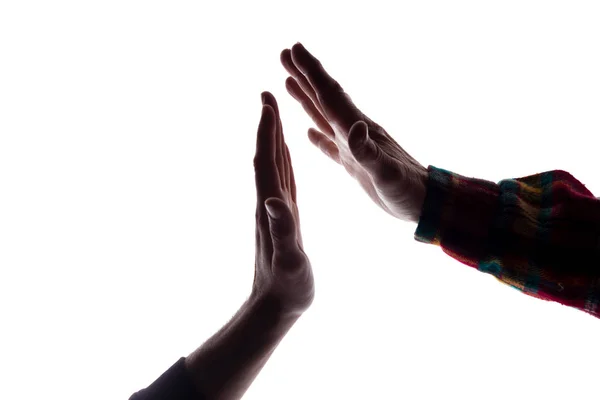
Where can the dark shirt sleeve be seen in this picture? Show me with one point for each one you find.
(173, 384)
(540, 233)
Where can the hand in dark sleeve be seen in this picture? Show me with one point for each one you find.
(175, 383)
(225, 366)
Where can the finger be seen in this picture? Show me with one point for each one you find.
(282, 225)
(334, 101)
(284, 163)
(309, 106)
(265, 173)
(312, 68)
(283, 229)
(292, 69)
(325, 144)
(292, 186)
(265, 167)
(269, 99)
(365, 150)
(290, 182)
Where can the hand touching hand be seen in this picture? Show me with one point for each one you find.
(393, 179)
(226, 364)
(282, 270)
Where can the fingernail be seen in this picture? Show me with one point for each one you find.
(362, 136)
(270, 210)
(262, 98)
(366, 138)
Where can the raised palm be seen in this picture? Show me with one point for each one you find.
(391, 177)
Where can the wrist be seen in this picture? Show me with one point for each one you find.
(419, 191)
(226, 364)
(270, 313)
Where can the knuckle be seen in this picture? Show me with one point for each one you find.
(331, 91)
(260, 162)
(386, 172)
(291, 258)
(256, 160)
(336, 87)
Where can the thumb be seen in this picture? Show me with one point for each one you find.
(363, 148)
(281, 223)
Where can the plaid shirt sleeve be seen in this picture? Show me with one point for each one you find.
(539, 234)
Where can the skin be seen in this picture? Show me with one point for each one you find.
(225, 366)
(283, 289)
(392, 178)
(282, 269)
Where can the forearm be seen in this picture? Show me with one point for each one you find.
(226, 365)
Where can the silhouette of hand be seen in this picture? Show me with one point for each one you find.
(282, 270)
(392, 178)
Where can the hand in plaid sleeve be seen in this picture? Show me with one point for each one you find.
(539, 234)
(392, 178)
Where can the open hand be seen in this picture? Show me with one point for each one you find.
(392, 178)
(282, 270)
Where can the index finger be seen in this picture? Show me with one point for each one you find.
(336, 104)
(269, 99)
(265, 162)
(312, 68)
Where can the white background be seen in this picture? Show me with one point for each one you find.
(127, 132)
